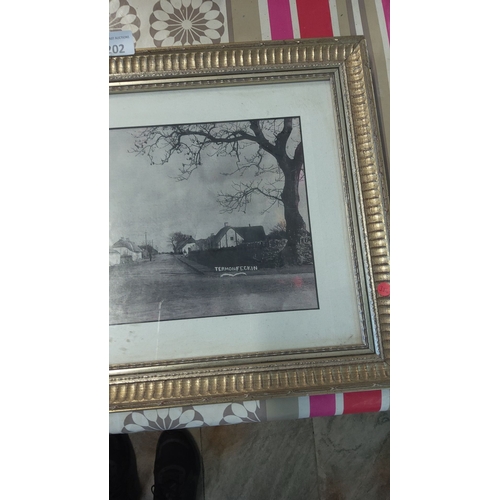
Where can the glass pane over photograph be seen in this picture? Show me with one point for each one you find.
(209, 219)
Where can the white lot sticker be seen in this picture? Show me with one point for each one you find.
(121, 43)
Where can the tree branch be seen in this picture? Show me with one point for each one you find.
(242, 196)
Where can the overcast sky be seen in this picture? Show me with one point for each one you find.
(146, 198)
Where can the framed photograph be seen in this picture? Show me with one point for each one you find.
(248, 231)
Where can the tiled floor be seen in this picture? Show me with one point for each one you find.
(325, 458)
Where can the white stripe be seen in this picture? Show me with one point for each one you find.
(385, 400)
(339, 404)
(295, 19)
(116, 421)
(358, 25)
(383, 33)
(334, 17)
(265, 24)
(304, 406)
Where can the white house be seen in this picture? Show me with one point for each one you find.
(188, 246)
(128, 250)
(114, 257)
(230, 236)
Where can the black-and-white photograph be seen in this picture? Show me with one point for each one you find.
(209, 219)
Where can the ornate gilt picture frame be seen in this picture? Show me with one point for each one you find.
(229, 280)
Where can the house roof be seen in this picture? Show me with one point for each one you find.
(249, 234)
(126, 243)
(220, 234)
(185, 242)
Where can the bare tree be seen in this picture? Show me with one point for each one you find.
(271, 150)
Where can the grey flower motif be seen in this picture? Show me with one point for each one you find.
(186, 22)
(123, 17)
(238, 413)
(162, 420)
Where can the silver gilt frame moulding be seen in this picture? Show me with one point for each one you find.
(184, 112)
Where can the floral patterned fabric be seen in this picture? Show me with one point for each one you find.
(166, 23)
(192, 416)
(186, 22)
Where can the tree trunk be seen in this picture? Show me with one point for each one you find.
(295, 225)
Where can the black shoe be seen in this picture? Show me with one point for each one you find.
(123, 477)
(177, 466)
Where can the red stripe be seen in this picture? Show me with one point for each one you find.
(314, 18)
(322, 406)
(362, 402)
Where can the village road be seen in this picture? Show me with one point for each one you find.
(166, 289)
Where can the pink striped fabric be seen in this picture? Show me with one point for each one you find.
(354, 402)
(322, 406)
(386, 5)
(280, 19)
